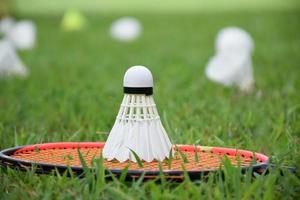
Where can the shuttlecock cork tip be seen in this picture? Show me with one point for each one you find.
(234, 38)
(138, 80)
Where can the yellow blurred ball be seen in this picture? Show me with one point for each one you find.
(73, 20)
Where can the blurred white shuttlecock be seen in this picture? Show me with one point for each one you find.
(233, 39)
(23, 35)
(10, 64)
(232, 63)
(137, 127)
(6, 24)
(126, 29)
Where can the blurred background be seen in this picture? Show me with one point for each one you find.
(106, 6)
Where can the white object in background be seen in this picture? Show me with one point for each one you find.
(233, 39)
(232, 63)
(23, 35)
(6, 24)
(10, 64)
(126, 29)
(137, 126)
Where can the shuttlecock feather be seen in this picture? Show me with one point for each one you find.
(137, 127)
(232, 63)
(10, 64)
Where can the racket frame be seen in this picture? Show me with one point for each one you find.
(6, 160)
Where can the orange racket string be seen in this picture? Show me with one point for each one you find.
(67, 154)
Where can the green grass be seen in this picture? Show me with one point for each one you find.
(75, 88)
(156, 6)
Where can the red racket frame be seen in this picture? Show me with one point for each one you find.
(7, 160)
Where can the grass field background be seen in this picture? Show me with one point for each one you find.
(153, 6)
(75, 89)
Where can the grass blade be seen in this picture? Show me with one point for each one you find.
(196, 157)
(124, 174)
(83, 162)
(141, 178)
(137, 158)
(161, 174)
(182, 155)
(170, 159)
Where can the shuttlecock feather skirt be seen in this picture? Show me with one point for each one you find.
(137, 128)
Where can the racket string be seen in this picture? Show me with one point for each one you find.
(69, 156)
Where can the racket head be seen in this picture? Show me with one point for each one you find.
(64, 156)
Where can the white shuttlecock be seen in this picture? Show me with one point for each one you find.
(10, 64)
(232, 63)
(232, 40)
(137, 127)
(126, 29)
(23, 35)
(6, 24)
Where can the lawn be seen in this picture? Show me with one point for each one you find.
(75, 89)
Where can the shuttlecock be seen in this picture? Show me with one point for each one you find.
(6, 24)
(10, 64)
(23, 35)
(73, 20)
(232, 63)
(137, 127)
(234, 39)
(126, 29)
